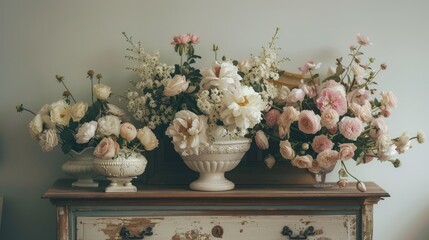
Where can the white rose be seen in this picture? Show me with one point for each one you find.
(147, 138)
(101, 91)
(386, 148)
(109, 125)
(175, 86)
(78, 111)
(60, 113)
(36, 126)
(114, 110)
(403, 143)
(86, 132)
(48, 139)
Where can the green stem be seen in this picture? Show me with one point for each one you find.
(351, 61)
(68, 91)
(347, 171)
(273, 39)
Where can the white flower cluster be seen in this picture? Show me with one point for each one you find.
(143, 103)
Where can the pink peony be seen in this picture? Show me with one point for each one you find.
(351, 128)
(309, 122)
(271, 117)
(329, 98)
(181, 39)
(347, 151)
(194, 39)
(321, 143)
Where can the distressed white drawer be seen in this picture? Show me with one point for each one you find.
(257, 227)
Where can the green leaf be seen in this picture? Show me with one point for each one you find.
(66, 148)
(342, 173)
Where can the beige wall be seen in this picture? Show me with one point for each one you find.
(39, 39)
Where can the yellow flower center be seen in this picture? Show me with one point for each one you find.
(244, 102)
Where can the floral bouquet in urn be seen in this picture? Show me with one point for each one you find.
(334, 120)
(76, 125)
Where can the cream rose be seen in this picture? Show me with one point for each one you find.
(86, 132)
(329, 118)
(60, 113)
(302, 161)
(48, 139)
(175, 86)
(78, 111)
(261, 140)
(109, 125)
(106, 149)
(36, 126)
(388, 99)
(286, 150)
(147, 138)
(101, 91)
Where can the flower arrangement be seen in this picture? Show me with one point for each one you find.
(76, 125)
(323, 122)
(195, 106)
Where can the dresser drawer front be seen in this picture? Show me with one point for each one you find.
(267, 227)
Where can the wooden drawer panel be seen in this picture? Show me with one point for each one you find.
(266, 227)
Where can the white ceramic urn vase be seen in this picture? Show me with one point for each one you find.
(121, 170)
(80, 166)
(213, 161)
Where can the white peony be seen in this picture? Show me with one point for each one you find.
(109, 125)
(48, 140)
(78, 111)
(101, 91)
(386, 148)
(60, 113)
(147, 138)
(223, 76)
(188, 132)
(242, 108)
(86, 132)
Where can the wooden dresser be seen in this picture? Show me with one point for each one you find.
(164, 212)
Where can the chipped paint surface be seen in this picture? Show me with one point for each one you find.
(234, 227)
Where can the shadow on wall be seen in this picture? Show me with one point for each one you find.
(418, 229)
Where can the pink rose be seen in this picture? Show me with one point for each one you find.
(181, 39)
(329, 118)
(194, 39)
(106, 149)
(271, 117)
(310, 65)
(289, 115)
(286, 150)
(336, 86)
(309, 122)
(347, 151)
(128, 131)
(321, 143)
(330, 98)
(364, 40)
(378, 128)
(342, 183)
(388, 99)
(302, 161)
(296, 95)
(363, 112)
(351, 128)
(327, 159)
(310, 91)
(261, 140)
(359, 96)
